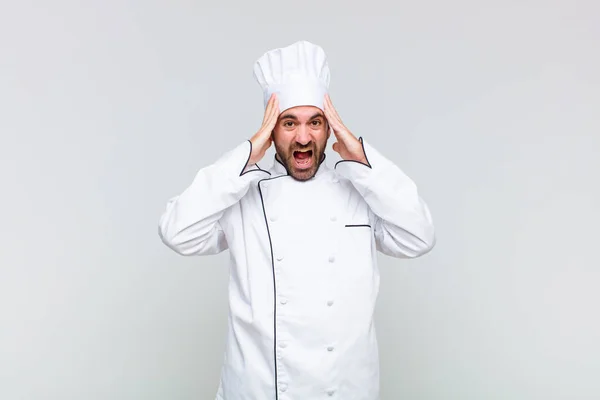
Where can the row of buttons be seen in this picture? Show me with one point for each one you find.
(279, 257)
(282, 344)
(283, 301)
(283, 387)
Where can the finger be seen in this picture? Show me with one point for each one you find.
(332, 109)
(269, 104)
(339, 129)
(329, 115)
(270, 111)
(333, 122)
(274, 111)
(273, 116)
(266, 113)
(269, 107)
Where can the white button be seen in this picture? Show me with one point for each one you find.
(273, 218)
(333, 218)
(331, 392)
(283, 345)
(331, 259)
(335, 180)
(279, 257)
(283, 300)
(330, 303)
(283, 387)
(330, 348)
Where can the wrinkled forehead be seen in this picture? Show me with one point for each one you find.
(302, 113)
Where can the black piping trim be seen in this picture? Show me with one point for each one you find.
(284, 167)
(274, 283)
(360, 225)
(262, 201)
(368, 164)
(323, 159)
(247, 160)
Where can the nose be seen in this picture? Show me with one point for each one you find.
(303, 135)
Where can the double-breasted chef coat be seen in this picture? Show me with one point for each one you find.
(303, 278)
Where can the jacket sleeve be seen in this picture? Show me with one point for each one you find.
(402, 222)
(191, 224)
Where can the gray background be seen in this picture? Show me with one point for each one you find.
(109, 108)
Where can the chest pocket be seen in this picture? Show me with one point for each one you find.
(356, 248)
(358, 236)
(357, 231)
(358, 240)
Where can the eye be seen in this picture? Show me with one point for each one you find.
(288, 123)
(316, 122)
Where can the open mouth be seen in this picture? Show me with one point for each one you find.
(303, 159)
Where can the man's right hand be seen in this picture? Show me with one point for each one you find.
(261, 141)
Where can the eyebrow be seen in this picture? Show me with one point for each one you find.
(291, 116)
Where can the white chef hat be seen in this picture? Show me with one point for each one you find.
(298, 74)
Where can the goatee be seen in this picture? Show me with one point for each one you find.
(301, 162)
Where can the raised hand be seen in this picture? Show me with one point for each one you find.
(347, 145)
(262, 140)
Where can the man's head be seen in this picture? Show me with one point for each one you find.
(300, 137)
(299, 75)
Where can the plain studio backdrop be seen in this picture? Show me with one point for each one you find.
(109, 108)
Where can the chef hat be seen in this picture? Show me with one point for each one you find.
(298, 74)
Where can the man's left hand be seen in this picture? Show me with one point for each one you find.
(347, 145)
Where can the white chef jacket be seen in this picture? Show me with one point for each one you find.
(303, 278)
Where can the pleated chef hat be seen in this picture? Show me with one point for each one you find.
(298, 73)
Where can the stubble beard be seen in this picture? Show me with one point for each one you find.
(287, 159)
